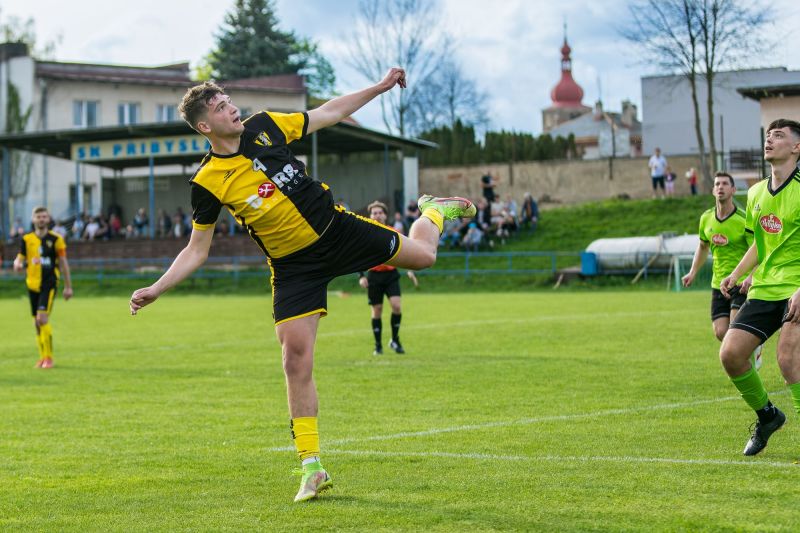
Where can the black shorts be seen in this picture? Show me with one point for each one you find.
(380, 283)
(351, 243)
(762, 318)
(721, 306)
(658, 181)
(42, 300)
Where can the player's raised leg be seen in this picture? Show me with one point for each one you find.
(418, 250)
(297, 339)
(737, 347)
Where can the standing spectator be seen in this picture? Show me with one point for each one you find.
(670, 182)
(398, 225)
(184, 221)
(91, 230)
(412, 213)
(691, 176)
(163, 223)
(114, 226)
(77, 228)
(487, 184)
(141, 223)
(529, 214)
(61, 229)
(658, 168)
(178, 229)
(17, 230)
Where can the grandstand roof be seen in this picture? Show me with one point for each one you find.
(341, 138)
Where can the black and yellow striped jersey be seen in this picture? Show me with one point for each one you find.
(264, 186)
(42, 257)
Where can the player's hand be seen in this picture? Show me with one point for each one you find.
(414, 279)
(395, 76)
(688, 279)
(727, 285)
(67, 293)
(793, 314)
(18, 265)
(363, 282)
(142, 297)
(746, 284)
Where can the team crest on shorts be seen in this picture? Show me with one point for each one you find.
(771, 223)
(266, 189)
(719, 239)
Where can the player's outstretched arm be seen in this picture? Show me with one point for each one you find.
(190, 259)
(336, 110)
(699, 259)
(747, 264)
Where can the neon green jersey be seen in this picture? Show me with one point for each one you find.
(727, 239)
(774, 219)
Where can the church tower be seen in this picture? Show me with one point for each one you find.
(567, 96)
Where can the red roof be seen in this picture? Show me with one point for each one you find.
(293, 83)
(170, 75)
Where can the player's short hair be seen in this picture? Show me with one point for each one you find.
(39, 209)
(194, 103)
(375, 204)
(721, 174)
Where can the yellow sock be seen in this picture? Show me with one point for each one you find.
(435, 216)
(305, 436)
(46, 335)
(39, 343)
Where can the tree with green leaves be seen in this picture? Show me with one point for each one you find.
(250, 44)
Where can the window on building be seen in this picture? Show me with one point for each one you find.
(128, 113)
(85, 113)
(166, 113)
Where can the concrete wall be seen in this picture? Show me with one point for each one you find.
(775, 108)
(564, 182)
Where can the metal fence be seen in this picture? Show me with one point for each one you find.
(236, 267)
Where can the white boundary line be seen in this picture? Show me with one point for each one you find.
(568, 458)
(525, 421)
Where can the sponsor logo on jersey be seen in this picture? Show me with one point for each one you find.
(266, 189)
(263, 139)
(771, 223)
(227, 175)
(719, 239)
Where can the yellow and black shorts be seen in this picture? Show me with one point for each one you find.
(351, 243)
(42, 300)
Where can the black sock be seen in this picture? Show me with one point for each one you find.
(766, 413)
(377, 326)
(395, 320)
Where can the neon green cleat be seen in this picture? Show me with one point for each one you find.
(315, 480)
(450, 208)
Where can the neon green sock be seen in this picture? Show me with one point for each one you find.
(794, 388)
(752, 389)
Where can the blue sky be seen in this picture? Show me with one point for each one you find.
(509, 47)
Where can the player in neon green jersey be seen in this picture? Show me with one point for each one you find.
(722, 232)
(773, 301)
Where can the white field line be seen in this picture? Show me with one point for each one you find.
(406, 327)
(567, 458)
(526, 421)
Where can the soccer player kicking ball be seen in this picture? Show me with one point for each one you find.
(384, 280)
(46, 255)
(722, 231)
(308, 240)
(773, 302)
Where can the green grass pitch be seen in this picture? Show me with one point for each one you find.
(548, 411)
